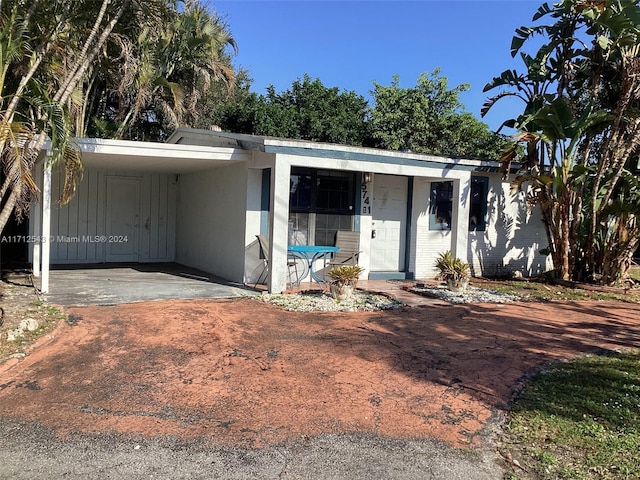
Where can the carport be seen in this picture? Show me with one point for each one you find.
(118, 174)
(110, 284)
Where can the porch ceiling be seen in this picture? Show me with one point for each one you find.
(156, 157)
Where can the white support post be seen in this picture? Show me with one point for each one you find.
(279, 232)
(46, 226)
(36, 232)
(460, 217)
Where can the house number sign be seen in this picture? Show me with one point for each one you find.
(366, 200)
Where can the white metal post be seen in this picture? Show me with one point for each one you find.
(36, 231)
(46, 226)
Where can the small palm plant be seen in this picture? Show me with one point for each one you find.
(344, 280)
(453, 270)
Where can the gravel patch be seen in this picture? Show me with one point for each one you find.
(368, 302)
(470, 295)
(361, 301)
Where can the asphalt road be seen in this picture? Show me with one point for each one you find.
(29, 452)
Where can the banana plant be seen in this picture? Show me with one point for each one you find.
(579, 130)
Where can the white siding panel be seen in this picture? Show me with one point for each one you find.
(154, 229)
(428, 243)
(511, 242)
(85, 216)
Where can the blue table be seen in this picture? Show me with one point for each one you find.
(311, 253)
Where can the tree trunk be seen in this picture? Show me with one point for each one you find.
(7, 209)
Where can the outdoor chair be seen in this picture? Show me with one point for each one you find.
(349, 244)
(264, 256)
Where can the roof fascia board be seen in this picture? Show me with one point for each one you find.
(152, 149)
(396, 158)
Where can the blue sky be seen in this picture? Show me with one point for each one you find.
(351, 44)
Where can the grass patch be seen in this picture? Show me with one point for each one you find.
(579, 420)
(535, 290)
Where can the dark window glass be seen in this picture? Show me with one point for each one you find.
(335, 191)
(441, 205)
(300, 191)
(328, 197)
(478, 207)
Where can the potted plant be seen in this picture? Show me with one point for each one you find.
(453, 271)
(344, 280)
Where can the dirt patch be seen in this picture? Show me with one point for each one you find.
(20, 301)
(249, 374)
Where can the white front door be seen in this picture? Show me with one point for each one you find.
(123, 219)
(389, 216)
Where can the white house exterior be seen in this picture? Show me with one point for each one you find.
(201, 199)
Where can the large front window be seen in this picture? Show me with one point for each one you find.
(321, 202)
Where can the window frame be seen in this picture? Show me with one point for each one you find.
(313, 211)
(433, 207)
(483, 182)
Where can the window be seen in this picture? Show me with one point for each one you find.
(321, 202)
(478, 207)
(441, 205)
(300, 187)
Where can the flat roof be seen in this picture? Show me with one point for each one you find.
(155, 156)
(326, 150)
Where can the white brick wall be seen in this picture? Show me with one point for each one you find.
(511, 242)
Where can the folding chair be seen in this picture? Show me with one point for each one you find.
(349, 243)
(264, 255)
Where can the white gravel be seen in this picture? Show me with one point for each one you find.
(367, 301)
(308, 302)
(470, 295)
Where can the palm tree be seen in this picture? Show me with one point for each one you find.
(156, 75)
(46, 50)
(581, 132)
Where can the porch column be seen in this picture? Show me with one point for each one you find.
(36, 230)
(279, 219)
(460, 217)
(46, 225)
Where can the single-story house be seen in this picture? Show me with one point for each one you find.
(201, 198)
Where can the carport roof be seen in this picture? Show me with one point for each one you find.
(156, 157)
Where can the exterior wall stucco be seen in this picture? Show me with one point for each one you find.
(212, 209)
(85, 216)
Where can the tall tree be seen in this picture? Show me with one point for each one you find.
(581, 131)
(154, 76)
(429, 118)
(71, 67)
(45, 50)
(308, 110)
